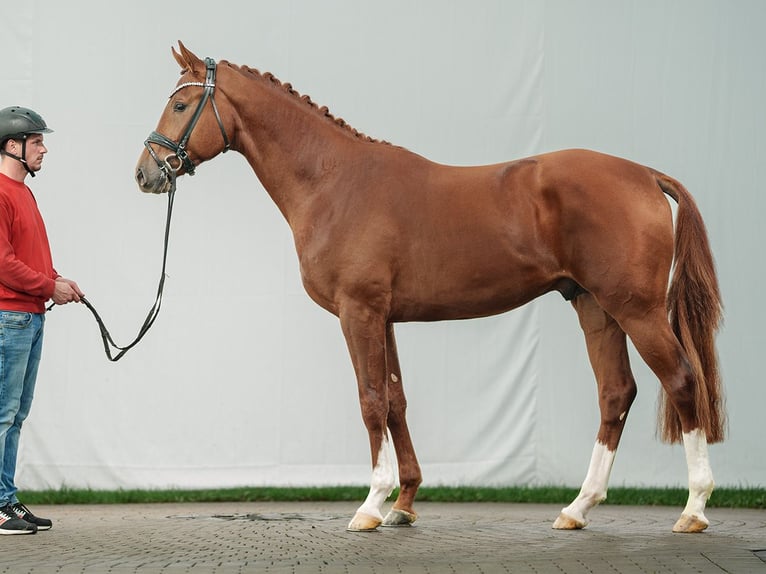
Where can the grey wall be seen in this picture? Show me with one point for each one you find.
(243, 380)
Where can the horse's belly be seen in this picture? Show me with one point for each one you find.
(450, 299)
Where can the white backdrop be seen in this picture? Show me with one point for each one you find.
(243, 380)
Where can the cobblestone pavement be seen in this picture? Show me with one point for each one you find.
(288, 538)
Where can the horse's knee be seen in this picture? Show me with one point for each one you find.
(375, 407)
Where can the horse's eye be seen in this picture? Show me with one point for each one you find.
(179, 106)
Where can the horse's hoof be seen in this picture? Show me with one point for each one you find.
(363, 523)
(564, 522)
(689, 524)
(398, 517)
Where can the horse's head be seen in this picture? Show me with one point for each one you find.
(189, 131)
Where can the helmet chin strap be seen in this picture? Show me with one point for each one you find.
(23, 156)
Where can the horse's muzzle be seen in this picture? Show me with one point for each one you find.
(149, 182)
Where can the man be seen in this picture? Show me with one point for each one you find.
(27, 281)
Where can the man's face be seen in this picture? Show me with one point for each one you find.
(34, 153)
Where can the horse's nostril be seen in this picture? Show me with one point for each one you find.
(140, 178)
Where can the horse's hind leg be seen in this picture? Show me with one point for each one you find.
(659, 347)
(608, 353)
(402, 513)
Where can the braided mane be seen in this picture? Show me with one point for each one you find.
(288, 88)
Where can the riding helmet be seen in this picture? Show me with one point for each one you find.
(17, 123)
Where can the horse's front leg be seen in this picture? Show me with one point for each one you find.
(410, 477)
(365, 333)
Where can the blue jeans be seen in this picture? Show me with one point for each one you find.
(21, 341)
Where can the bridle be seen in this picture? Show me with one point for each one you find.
(173, 161)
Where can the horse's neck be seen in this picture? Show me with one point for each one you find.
(291, 146)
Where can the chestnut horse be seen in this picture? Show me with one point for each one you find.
(384, 235)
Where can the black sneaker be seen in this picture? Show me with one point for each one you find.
(10, 523)
(24, 513)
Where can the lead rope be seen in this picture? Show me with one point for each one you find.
(109, 344)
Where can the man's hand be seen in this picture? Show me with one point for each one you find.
(66, 291)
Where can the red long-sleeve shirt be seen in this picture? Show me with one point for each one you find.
(27, 276)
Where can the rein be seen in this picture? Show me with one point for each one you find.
(169, 170)
(106, 337)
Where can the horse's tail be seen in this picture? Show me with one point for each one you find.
(695, 313)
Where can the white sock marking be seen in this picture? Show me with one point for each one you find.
(382, 483)
(700, 475)
(594, 487)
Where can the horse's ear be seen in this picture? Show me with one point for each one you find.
(188, 61)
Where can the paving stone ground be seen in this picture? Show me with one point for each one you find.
(297, 538)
